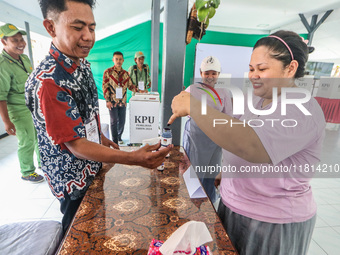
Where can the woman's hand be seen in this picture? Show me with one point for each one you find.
(180, 106)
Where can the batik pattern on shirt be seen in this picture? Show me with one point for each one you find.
(61, 97)
(113, 79)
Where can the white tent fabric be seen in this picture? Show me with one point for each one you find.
(243, 16)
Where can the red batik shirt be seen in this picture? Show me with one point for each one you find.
(112, 79)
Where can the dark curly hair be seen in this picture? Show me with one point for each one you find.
(280, 52)
(58, 6)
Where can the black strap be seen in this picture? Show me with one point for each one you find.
(135, 70)
(146, 75)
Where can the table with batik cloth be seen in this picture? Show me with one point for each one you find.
(330, 108)
(127, 206)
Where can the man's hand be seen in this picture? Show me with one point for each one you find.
(145, 157)
(109, 105)
(108, 143)
(149, 156)
(10, 128)
(180, 106)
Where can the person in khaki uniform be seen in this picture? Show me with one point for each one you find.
(140, 73)
(15, 67)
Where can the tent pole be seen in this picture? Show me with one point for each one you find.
(29, 43)
(174, 34)
(155, 25)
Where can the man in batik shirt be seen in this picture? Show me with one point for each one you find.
(62, 97)
(116, 81)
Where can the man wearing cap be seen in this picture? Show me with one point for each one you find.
(15, 67)
(116, 81)
(140, 73)
(201, 150)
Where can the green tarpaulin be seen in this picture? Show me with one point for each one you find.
(138, 38)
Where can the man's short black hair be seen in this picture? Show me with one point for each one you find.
(59, 6)
(118, 53)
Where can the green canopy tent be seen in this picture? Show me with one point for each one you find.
(138, 38)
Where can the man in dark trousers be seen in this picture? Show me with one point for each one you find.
(62, 97)
(116, 81)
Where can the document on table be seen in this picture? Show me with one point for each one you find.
(193, 184)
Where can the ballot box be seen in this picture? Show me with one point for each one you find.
(325, 87)
(144, 116)
(246, 83)
(306, 82)
(335, 88)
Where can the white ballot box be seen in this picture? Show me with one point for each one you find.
(325, 87)
(335, 88)
(144, 116)
(306, 82)
(223, 81)
(246, 83)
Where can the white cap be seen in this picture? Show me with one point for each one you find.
(210, 63)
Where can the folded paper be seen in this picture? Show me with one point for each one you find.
(194, 186)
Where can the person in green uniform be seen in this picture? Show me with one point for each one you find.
(15, 67)
(140, 73)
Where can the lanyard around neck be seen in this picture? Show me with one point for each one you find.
(21, 65)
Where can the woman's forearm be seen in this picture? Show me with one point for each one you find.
(238, 139)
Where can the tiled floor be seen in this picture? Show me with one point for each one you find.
(21, 201)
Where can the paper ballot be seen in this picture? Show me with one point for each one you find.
(193, 184)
